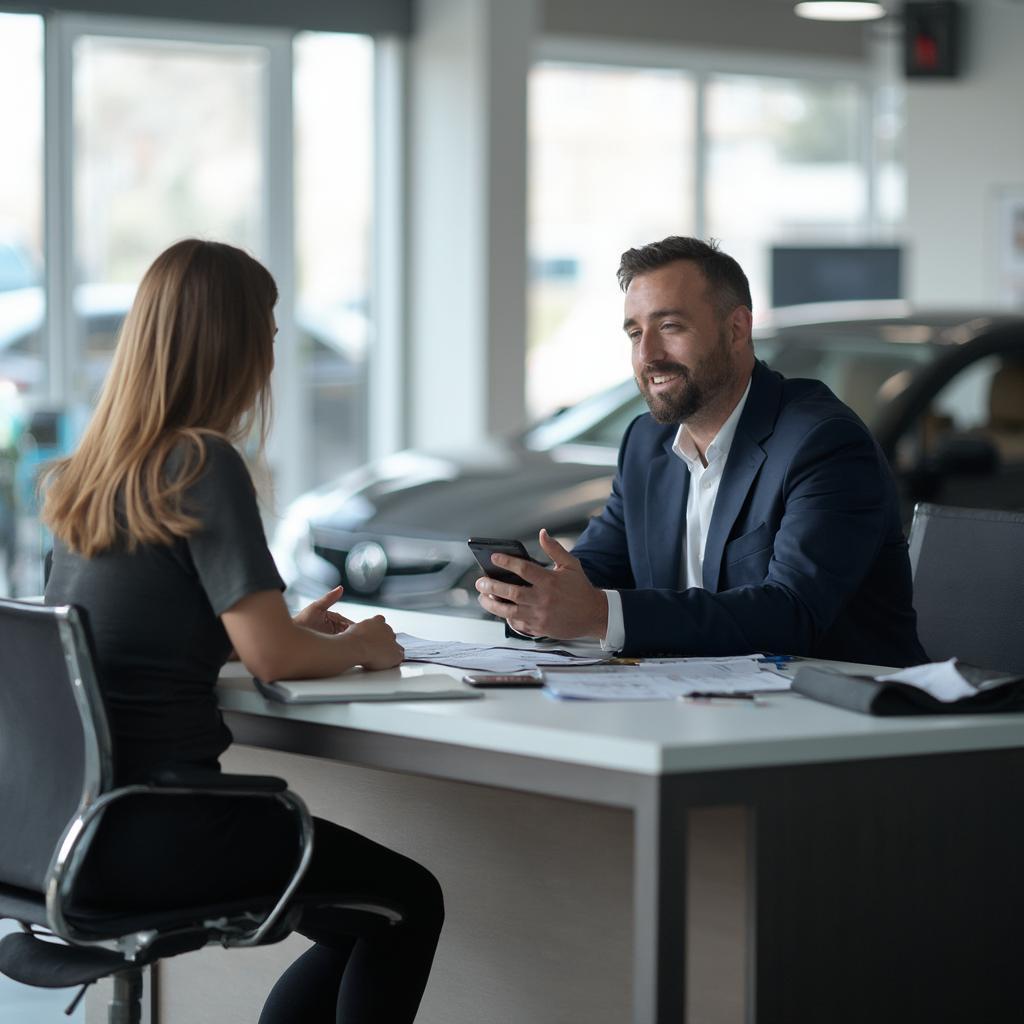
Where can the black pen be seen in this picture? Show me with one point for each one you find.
(705, 696)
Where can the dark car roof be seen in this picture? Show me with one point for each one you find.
(887, 327)
(894, 322)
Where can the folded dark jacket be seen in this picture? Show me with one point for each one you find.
(869, 696)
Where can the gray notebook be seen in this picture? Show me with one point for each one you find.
(360, 688)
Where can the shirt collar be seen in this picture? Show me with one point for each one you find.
(719, 448)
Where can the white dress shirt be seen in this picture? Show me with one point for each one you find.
(705, 476)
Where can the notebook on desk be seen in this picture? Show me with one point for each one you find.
(359, 688)
(947, 688)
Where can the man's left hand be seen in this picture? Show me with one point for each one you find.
(560, 600)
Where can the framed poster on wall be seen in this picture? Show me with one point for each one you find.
(1009, 244)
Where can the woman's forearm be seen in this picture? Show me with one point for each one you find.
(272, 646)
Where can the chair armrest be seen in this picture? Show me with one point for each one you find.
(74, 844)
(200, 779)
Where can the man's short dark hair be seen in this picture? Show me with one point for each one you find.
(728, 286)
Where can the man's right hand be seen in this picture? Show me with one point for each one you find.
(560, 601)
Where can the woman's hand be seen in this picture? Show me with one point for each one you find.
(319, 618)
(376, 642)
(316, 643)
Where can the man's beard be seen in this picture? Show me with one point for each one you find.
(691, 391)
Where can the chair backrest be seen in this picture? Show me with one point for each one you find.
(968, 568)
(55, 752)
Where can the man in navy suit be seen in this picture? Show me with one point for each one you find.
(749, 512)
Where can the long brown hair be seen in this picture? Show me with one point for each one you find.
(194, 358)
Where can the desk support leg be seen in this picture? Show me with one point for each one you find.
(659, 902)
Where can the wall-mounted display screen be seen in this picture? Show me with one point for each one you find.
(813, 273)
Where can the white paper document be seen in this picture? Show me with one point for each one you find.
(665, 679)
(946, 680)
(481, 658)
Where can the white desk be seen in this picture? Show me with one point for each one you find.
(853, 848)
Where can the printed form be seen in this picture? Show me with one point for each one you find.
(666, 679)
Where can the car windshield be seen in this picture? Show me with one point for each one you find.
(598, 420)
(865, 367)
(866, 371)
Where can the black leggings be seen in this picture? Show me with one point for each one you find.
(209, 849)
(348, 977)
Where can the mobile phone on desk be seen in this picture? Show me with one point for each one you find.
(500, 680)
(484, 547)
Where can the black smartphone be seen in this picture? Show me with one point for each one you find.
(495, 680)
(484, 547)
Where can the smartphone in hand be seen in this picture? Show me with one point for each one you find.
(484, 547)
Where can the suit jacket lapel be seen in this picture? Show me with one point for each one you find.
(668, 483)
(745, 457)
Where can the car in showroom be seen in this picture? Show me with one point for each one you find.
(942, 392)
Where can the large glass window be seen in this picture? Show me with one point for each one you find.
(890, 172)
(333, 205)
(621, 156)
(167, 144)
(784, 164)
(611, 158)
(259, 138)
(23, 367)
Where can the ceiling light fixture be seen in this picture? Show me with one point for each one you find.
(840, 10)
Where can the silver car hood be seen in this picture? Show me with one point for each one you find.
(419, 495)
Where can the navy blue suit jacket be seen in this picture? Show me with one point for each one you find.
(805, 553)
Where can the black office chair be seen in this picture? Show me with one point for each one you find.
(968, 568)
(55, 783)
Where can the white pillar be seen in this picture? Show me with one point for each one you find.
(467, 208)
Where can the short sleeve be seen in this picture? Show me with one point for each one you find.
(229, 552)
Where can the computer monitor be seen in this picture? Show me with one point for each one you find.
(840, 273)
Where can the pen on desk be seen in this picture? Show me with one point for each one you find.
(710, 698)
(777, 661)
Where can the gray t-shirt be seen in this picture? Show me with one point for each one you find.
(154, 616)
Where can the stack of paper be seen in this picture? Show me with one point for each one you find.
(482, 658)
(665, 679)
(949, 680)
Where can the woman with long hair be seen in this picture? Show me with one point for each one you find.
(158, 539)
